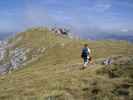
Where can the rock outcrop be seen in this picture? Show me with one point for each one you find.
(60, 31)
(2, 53)
(12, 59)
(3, 45)
(5, 68)
(18, 58)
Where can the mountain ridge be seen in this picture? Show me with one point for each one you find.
(105, 36)
(56, 73)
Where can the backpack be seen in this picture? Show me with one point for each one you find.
(85, 53)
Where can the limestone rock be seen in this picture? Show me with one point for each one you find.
(18, 58)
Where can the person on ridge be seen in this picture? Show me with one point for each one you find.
(86, 52)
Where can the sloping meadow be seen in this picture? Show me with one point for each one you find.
(56, 74)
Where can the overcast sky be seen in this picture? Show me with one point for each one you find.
(81, 16)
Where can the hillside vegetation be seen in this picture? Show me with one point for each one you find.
(57, 74)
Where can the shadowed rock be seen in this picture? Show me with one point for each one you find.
(4, 69)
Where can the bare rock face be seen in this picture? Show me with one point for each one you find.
(2, 53)
(2, 49)
(4, 69)
(18, 58)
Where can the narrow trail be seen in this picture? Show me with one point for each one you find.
(94, 64)
(79, 67)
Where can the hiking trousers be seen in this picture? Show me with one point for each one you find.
(86, 61)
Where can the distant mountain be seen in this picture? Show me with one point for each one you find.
(111, 36)
(120, 37)
(4, 36)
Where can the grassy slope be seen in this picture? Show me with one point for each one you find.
(53, 75)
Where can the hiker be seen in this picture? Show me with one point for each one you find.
(108, 61)
(86, 55)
